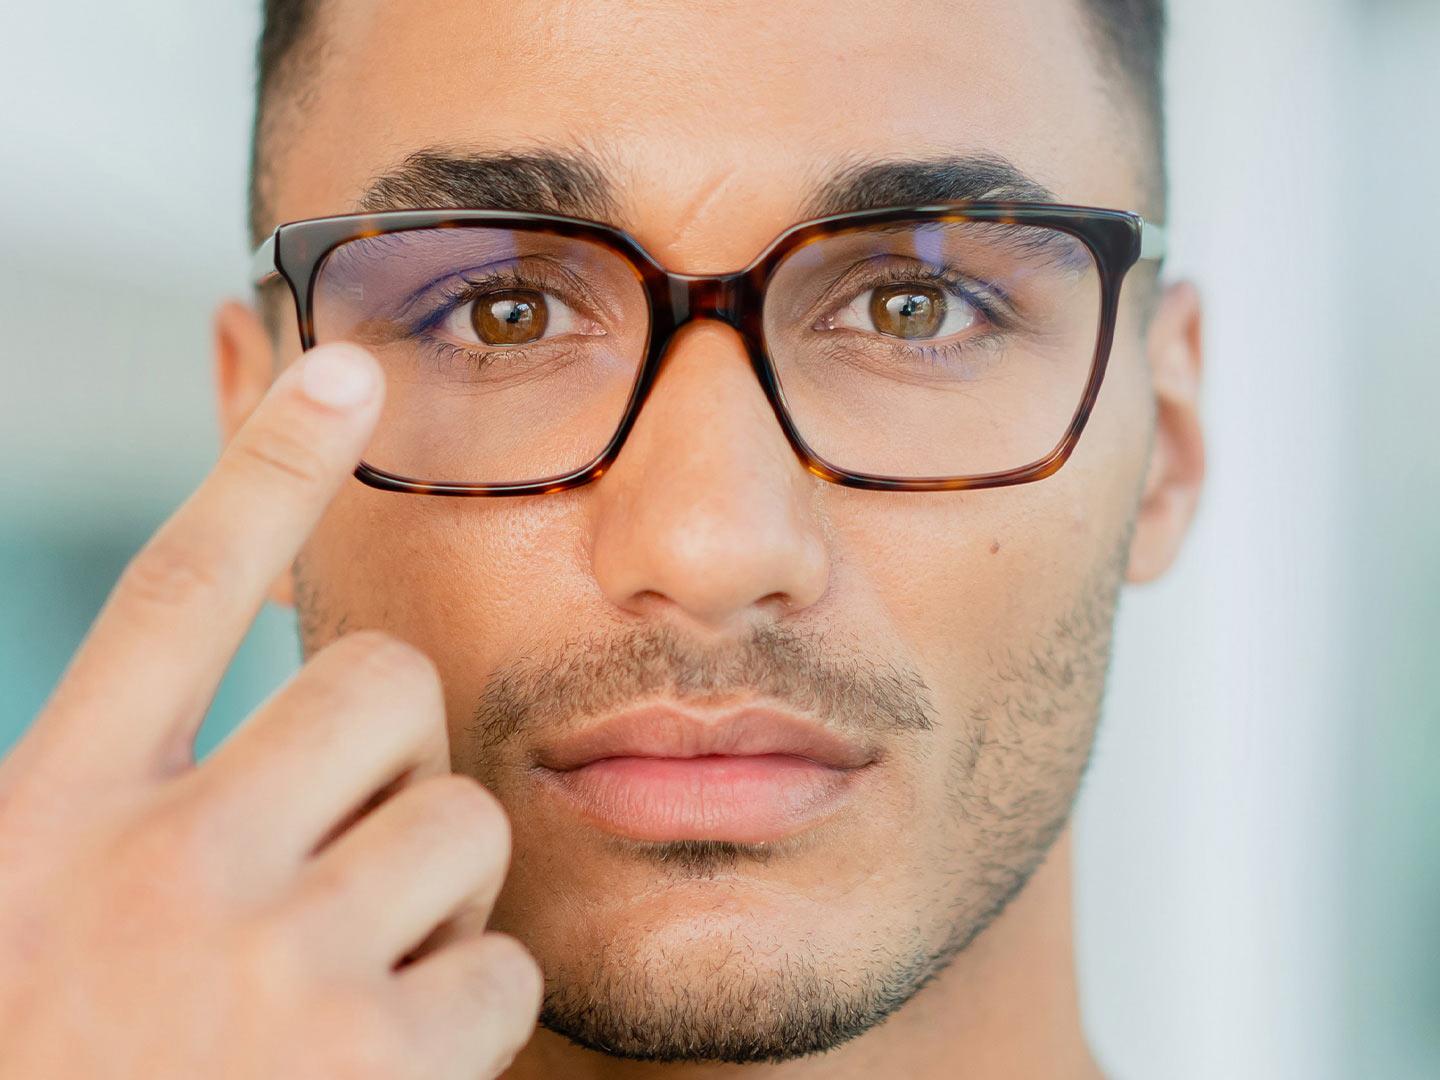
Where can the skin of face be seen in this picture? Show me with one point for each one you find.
(995, 605)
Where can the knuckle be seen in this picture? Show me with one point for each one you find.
(512, 971)
(387, 657)
(461, 803)
(163, 870)
(268, 956)
(502, 981)
(169, 573)
(276, 452)
(362, 1039)
(348, 1032)
(326, 882)
(167, 843)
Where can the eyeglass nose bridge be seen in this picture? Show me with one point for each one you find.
(734, 299)
(709, 296)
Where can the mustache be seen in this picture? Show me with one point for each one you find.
(842, 688)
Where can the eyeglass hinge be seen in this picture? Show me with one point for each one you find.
(1154, 241)
(262, 263)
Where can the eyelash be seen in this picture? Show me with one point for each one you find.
(465, 290)
(988, 301)
(991, 302)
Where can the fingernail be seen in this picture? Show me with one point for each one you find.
(338, 376)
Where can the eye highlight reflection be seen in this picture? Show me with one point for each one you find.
(895, 299)
(507, 317)
(510, 318)
(907, 310)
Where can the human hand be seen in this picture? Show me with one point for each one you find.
(272, 911)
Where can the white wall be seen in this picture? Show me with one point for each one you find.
(1210, 886)
(1393, 746)
(1260, 841)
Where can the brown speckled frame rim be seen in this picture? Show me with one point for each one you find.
(1116, 239)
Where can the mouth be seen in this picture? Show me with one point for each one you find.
(748, 775)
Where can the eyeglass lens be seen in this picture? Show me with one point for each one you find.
(914, 350)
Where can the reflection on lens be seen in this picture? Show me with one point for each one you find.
(917, 350)
(934, 349)
(509, 355)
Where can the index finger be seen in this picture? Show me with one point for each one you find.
(137, 690)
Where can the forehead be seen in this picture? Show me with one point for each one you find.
(711, 121)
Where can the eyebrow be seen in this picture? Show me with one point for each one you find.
(572, 183)
(543, 181)
(869, 184)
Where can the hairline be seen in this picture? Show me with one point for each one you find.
(287, 70)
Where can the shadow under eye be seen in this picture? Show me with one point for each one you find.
(493, 369)
(895, 360)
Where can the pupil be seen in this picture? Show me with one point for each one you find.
(907, 311)
(512, 317)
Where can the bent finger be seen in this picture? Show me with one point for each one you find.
(362, 720)
(472, 1005)
(437, 847)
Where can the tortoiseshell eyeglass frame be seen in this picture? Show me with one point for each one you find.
(1116, 239)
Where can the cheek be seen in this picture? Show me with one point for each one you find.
(466, 580)
(940, 567)
(964, 579)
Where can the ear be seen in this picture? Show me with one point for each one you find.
(1177, 458)
(244, 368)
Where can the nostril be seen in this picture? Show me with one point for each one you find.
(707, 614)
(778, 604)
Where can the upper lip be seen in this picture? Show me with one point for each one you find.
(673, 732)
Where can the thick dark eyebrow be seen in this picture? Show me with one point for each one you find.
(540, 181)
(874, 185)
(570, 182)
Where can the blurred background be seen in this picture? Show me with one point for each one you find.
(1259, 837)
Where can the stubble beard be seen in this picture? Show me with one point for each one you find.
(1013, 771)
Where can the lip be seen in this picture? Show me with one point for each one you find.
(747, 775)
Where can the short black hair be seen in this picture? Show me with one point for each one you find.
(1130, 35)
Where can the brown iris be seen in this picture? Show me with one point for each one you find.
(510, 317)
(907, 310)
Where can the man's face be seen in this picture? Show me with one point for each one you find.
(959, 638)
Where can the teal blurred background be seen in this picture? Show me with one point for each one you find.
(1259, 839)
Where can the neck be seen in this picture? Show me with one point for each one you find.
(1008, 1006)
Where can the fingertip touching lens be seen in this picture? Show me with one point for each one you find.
(509, 355)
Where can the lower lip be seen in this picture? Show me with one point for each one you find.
(742, 799)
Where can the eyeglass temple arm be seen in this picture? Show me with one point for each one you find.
(262, 263)
(1154, 241)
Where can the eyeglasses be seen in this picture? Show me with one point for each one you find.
(933, 348)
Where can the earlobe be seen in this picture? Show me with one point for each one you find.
(245, 365)
(1176, 472)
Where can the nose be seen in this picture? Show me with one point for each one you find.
(707, 520)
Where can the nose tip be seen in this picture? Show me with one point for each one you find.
(725, 568)
(707, 516)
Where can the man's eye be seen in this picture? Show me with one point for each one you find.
(909, 310)
(501, 317)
